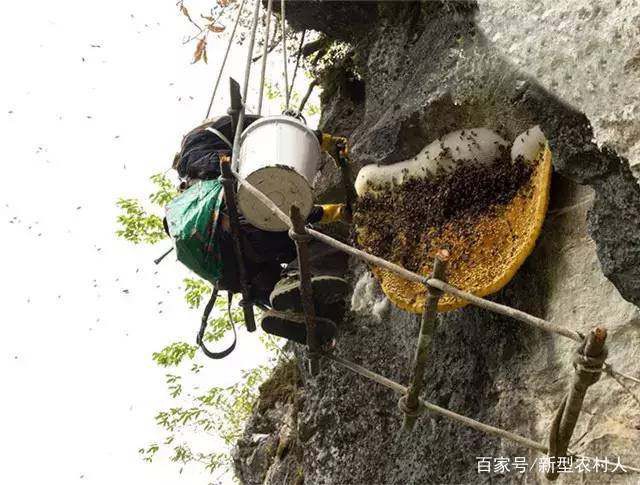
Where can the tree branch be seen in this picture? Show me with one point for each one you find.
(314, 46)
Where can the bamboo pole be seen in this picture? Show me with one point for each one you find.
(300, 237)
(428, 324)
(232, 210)
(566, 417)
(411, 276)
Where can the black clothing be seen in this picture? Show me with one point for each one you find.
(265, 253)
(268, 256)
(198, 157)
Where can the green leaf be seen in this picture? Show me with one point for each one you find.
(137, 225)
(194, 291)
(165, 192)
(174, 354)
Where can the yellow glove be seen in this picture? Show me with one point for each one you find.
(335, 213)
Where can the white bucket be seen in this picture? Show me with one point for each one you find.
(279, 156)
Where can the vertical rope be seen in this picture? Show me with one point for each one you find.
(295, 69)
(284, 55)
(245, 88)
(224, 60)
(247, 68)
(265, 52)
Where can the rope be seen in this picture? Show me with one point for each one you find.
(472, 423)
(613, 373)
(588, 366)
(411, 276)
(265, 52)
(284, 55)
(220, 135)
(588, 362)
(624, 387)
(224, 60)
(505, 310)
(295, 70)
(304, 237)
(245, 87)
(247, 69)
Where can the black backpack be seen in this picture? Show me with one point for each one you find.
(198, 157)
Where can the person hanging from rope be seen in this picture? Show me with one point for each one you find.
(269, 257)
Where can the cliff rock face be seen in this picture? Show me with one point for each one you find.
(415, 72)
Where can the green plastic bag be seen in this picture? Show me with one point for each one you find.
(192, 218)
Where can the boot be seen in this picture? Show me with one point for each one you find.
(292, 326)
(329, 293)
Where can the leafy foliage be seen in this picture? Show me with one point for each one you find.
(206, 24)
(201, 51)
(219, 411)
(173, 354)
(165, 190)
(273, 91)
(195, 289)
(138, 225)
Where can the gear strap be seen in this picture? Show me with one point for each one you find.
(205, 321)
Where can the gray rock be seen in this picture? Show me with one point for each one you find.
(430, 68)
(586, 52)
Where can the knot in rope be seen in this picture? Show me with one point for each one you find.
(410, 412)
(294, 113)
(299, 237)
(589, 368)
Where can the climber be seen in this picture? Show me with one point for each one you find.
(201, 147)
(265, 253)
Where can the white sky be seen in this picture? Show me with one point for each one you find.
(79, 387)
